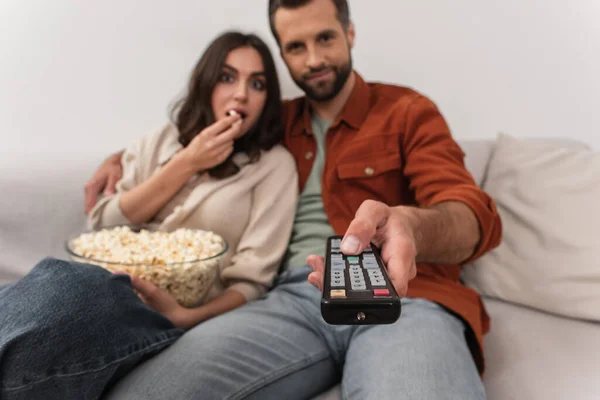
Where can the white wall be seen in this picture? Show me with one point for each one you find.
(86, 78)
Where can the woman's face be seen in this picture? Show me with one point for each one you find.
(242, 87)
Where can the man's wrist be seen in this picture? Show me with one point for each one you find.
(410, 218)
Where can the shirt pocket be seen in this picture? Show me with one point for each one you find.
(369, 167)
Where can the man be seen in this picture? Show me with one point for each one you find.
(376, 162)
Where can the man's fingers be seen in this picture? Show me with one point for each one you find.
(399, 257)
(317, 264)
(111, 185)
(316, 279)
(370, 216)
(91, 190)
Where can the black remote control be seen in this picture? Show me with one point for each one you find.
(356, 289)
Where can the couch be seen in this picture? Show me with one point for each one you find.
(531, 353)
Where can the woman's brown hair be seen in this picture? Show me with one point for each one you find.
(194, 112)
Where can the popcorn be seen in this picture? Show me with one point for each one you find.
(182, 262)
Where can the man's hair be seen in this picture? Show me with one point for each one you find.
(343, 11)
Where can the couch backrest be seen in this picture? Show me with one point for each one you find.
(477, 155)
(42, 203)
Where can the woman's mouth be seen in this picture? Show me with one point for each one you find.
(237, 112)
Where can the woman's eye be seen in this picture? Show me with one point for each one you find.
(225, 77)
(258, 85)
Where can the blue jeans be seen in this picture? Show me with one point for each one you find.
(70, 331)
(277, 347)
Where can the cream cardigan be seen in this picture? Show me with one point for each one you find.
(253, 210)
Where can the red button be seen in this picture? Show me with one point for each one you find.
(381, 292)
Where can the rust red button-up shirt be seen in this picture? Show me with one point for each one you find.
(391, 144)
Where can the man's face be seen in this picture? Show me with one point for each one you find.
(315, 48)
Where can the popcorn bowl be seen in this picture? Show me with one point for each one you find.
(185, 262)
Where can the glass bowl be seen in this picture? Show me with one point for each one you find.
(185, 262)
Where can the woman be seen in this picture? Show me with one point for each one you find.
(206, 171)
(210, 169)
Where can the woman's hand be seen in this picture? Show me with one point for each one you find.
(161, 301)
(214, 144)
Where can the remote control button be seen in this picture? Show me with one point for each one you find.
(338, 267)
(359, 287)
(338, 293)
(370, 266)
(338, 283)
(353, 259)
(381, 293)
(378, 282)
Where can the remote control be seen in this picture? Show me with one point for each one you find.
(356, 289)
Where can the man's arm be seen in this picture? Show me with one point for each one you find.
(447, 233)
(453, 221)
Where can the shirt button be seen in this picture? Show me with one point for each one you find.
(369, 171)
(309, 155)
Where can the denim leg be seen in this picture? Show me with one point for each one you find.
(69, 331)
(272, 348)
(422, 356)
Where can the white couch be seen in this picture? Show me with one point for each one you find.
(530, 354)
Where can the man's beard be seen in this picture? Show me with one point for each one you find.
(341, 76)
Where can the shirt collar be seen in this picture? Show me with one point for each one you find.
(353, 113)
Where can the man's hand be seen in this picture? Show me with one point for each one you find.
(161, 301)
(392, 229)
(104, 180)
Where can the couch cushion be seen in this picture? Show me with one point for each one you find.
(547, 196)
(41, 207)
(533, 355)
(477, 155)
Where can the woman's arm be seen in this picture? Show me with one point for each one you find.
(142, 193)
(258, 254)
(144, 201)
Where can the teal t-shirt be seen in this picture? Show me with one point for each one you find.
(311, 226)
